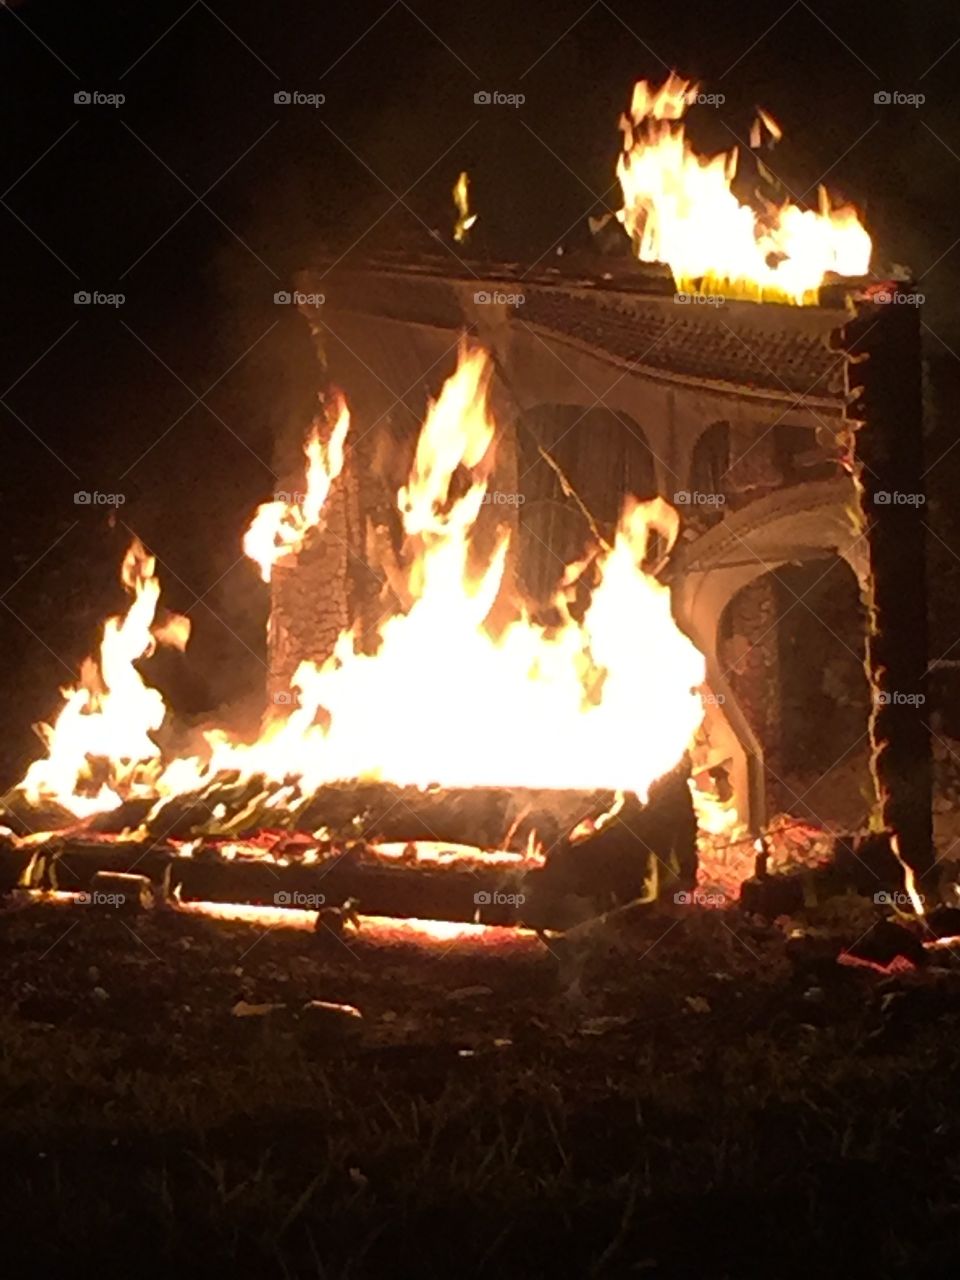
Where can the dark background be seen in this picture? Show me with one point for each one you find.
(103, 198)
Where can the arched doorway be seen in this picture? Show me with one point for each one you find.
(603, 456)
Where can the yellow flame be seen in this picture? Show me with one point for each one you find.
(110, 715)
(280, 528)
(679, 209)
(461, 199)
(607, 702)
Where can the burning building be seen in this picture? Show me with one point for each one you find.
(505, 564)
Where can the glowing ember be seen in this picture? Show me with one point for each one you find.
(610, 702)
(679, 209)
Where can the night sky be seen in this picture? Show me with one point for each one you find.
(199, 196)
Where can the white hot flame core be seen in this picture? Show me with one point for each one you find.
(280, 528)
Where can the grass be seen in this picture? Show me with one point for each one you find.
(723, 1102)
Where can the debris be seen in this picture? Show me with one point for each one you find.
(327, 1020)
(243, 1009)
(335, 919)
(600, 1026)
(697, 1004)
(120, 891)
(469, 993)
(886, 942)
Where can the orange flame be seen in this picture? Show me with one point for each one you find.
(110, 715)
(609, 702)
(679, 209)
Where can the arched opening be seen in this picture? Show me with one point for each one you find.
(708, 469)
(792, 646)
(603, 456)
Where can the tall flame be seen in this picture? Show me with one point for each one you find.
(607, 702)
(109, 716)
(679, 209)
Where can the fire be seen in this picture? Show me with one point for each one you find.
(104, 728)
(607, 702)
(280, 528)
(679, 209)
(461, 200)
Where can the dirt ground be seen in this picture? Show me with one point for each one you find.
(707, 1095)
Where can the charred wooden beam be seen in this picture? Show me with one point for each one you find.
(882, 345)
(484, 817)
(490, 895)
